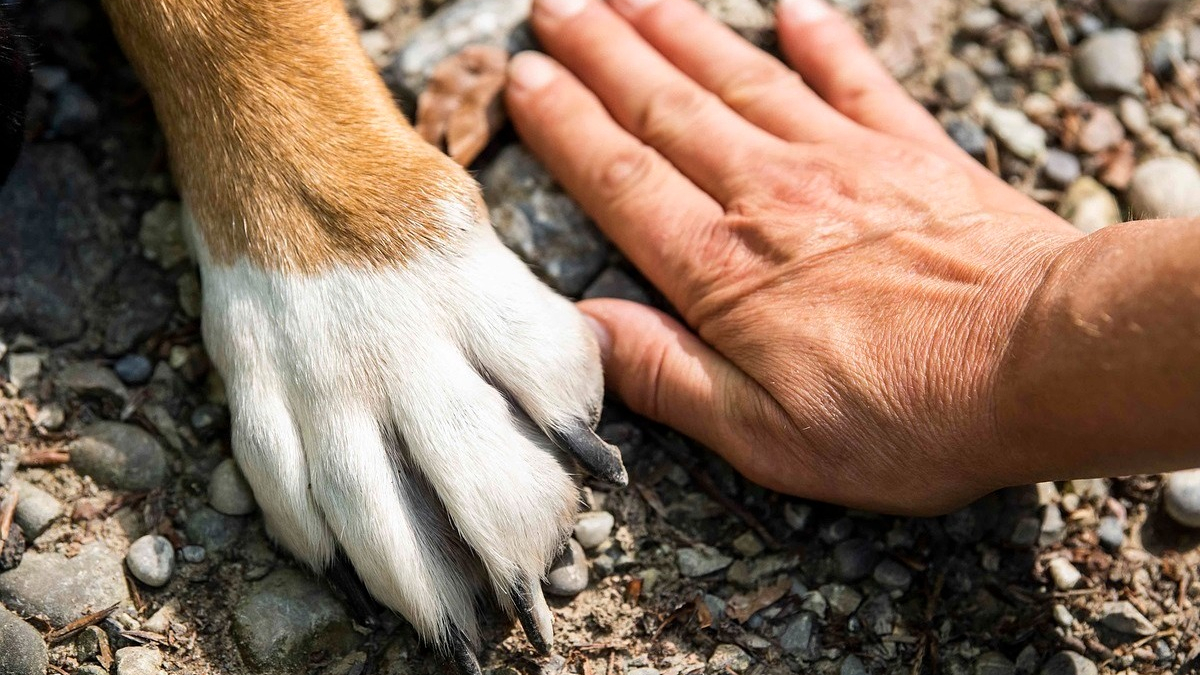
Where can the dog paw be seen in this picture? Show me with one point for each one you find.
(425, 421)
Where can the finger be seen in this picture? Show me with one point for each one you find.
(836, 62)
(663, 371)
(690, 126)
(750, 81)
(651, 211)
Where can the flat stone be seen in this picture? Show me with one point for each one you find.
(212, 530)
(1167, 187)
(1123, 617)
(92, 380)
(993, 663)
(728, 657)
(1061, 167)
(843, 600)
(852, 665)
(151, 560)
(1089, 205)
(228, 491)
(1110, 63)
(22, 650)
(1068, 663)
(133, 369)
(701, 561)
(797, 637)
(568, 574)
(139, 661)
(593, 527)
(119, 455)
(854, 559)
(286, 618)
(62, 588)
(892, 575)
(36, 508)
(877, 615)
(24, 370)
(1137, 13)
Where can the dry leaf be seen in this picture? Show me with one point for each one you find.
(460, 107)
(741, 607)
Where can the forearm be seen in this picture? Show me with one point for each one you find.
(1103, 375)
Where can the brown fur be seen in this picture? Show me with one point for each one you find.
(284, 141)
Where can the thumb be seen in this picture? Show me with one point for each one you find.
(663, 371)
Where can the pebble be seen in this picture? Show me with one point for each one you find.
(64, 588)
(1025, 532)
(854, 559)
(993, 663)
(151, 560)
(1018, 50)
(977, 21)
(228, 491)
(1017, 9)
(161, 234)
(1123, 617)
(22, 650)
(1018, 133)
(49, 78)
(1111, 533)
(837, 531)
(1064, 574)
(1101, 131)
(852, 665)
(1061, 167)
(92, 380)
(728, 657)
(592, 528)
(133, 369)
(36, 508)
(1133, 115)
(701, 561)
(1137, 13)
(797, 515)
(797, 637)
(1181, 497)
(968, 135)
(288, 617)
(119, 455)
(1027, 660)
(1169, 48)
(160, 621)
(50, 417)
(74, 111)
(959, 83)
(377, 11)
(569, 573)
(1053, 527)
(90, 642)
(1110, 62)
(892, 575)
(1089, 206)
(1095, 490)
(1063, 617)
(644, 671)
(1167, 187)
(878, 615)
(1169, 118)
(816, 603)
(212, 530)
(843, 600)
(1068, 663)
(24, 370)
(139, 661)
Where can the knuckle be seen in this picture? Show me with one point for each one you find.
(670, 112)
(629, 168)
(751, 85)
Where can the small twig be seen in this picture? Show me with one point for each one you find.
(45, 458)
(79, 624)
(1055, 23)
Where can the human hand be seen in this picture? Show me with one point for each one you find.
(850, 280)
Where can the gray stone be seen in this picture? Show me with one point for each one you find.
(193, 554)
(892, 575)
(133, 369)
(1111, 533)
(36, 508)
(843, 600)
(287, 617)
(161, 234)
(537, 220)
(797, 637)
(854, 559)
(592, 528)
(993, 663)
(91, 642)
(1110, 63)
(454, 26)
(139, 661)
(74, 111)
(92, 380)
(959, 83)
(62, 588)
(228, 491)
(1101, 131)
(1053, 528)
(1089, 206)
(212, 530)
(1020, 135)
(613, 283)
(151, 560)
(701, 561)
(49, 78)
(852, 665)
(1167, 187)
(1064, 574)
(91, 669)
(22, 650)
(968, 135)
(797, 515)
(728, 657)
(1123, 617)
(1137, 13)
(568, 574)
(119, 455)
(1133, 115)
(1168, 49)
(1181, 497)
(878, 615)
(24, 370)
(50, 417)
(977, 21)
(1068, 663)
(1027, 660)
(1061, 167)
(816, 603)
(1168, 117)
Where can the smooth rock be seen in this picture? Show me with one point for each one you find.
(1025, 532)
(1167, 187)
(1170, 118)
(24, 370)
(592, 528)
(1089, 206)
(1111, 533)
(92, 380)
(22, 650)
(1101, 131)
(568, 574)
(228, 491)
(212, 530)
(748, 544)
(119, 455)
(1061, 167)
(854, 559)
(139, 661)
(1068, 663)
(728, 657)
(377, 11)
(977, 21)
(91, 642)
(133, 369)
(701, 561)
(1064, 574)
(1110, 63)
(1123, 617)
(877, 614)
(1137, 13)
(151, 560)
(968, 135)
(843, 600)
(892, 575)
(161, 234)
(959, 83)
(192, 554)
(286, 618)
(62, 588)
(36, 508)
(1062, 616)
(993, 663)
(852, 665)
(1018, 133)
(1027, 660)
(1181, 497)
(797, 637)
(1133, 115)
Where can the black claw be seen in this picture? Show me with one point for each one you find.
(598, 458)
(460, 654)
(363, 608)
(522, 596)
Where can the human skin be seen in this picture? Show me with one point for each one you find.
(869, 317)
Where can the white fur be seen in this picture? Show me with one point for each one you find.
(321, 368)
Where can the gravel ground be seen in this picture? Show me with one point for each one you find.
(114, 429)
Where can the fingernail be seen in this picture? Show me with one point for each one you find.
(559, 9)
(628, 7)
(603, 338)
(805, 11)
(530, 71)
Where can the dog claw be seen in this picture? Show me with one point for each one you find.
(598, 458)
(460, 653)
(534, 615)
(363, 608)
